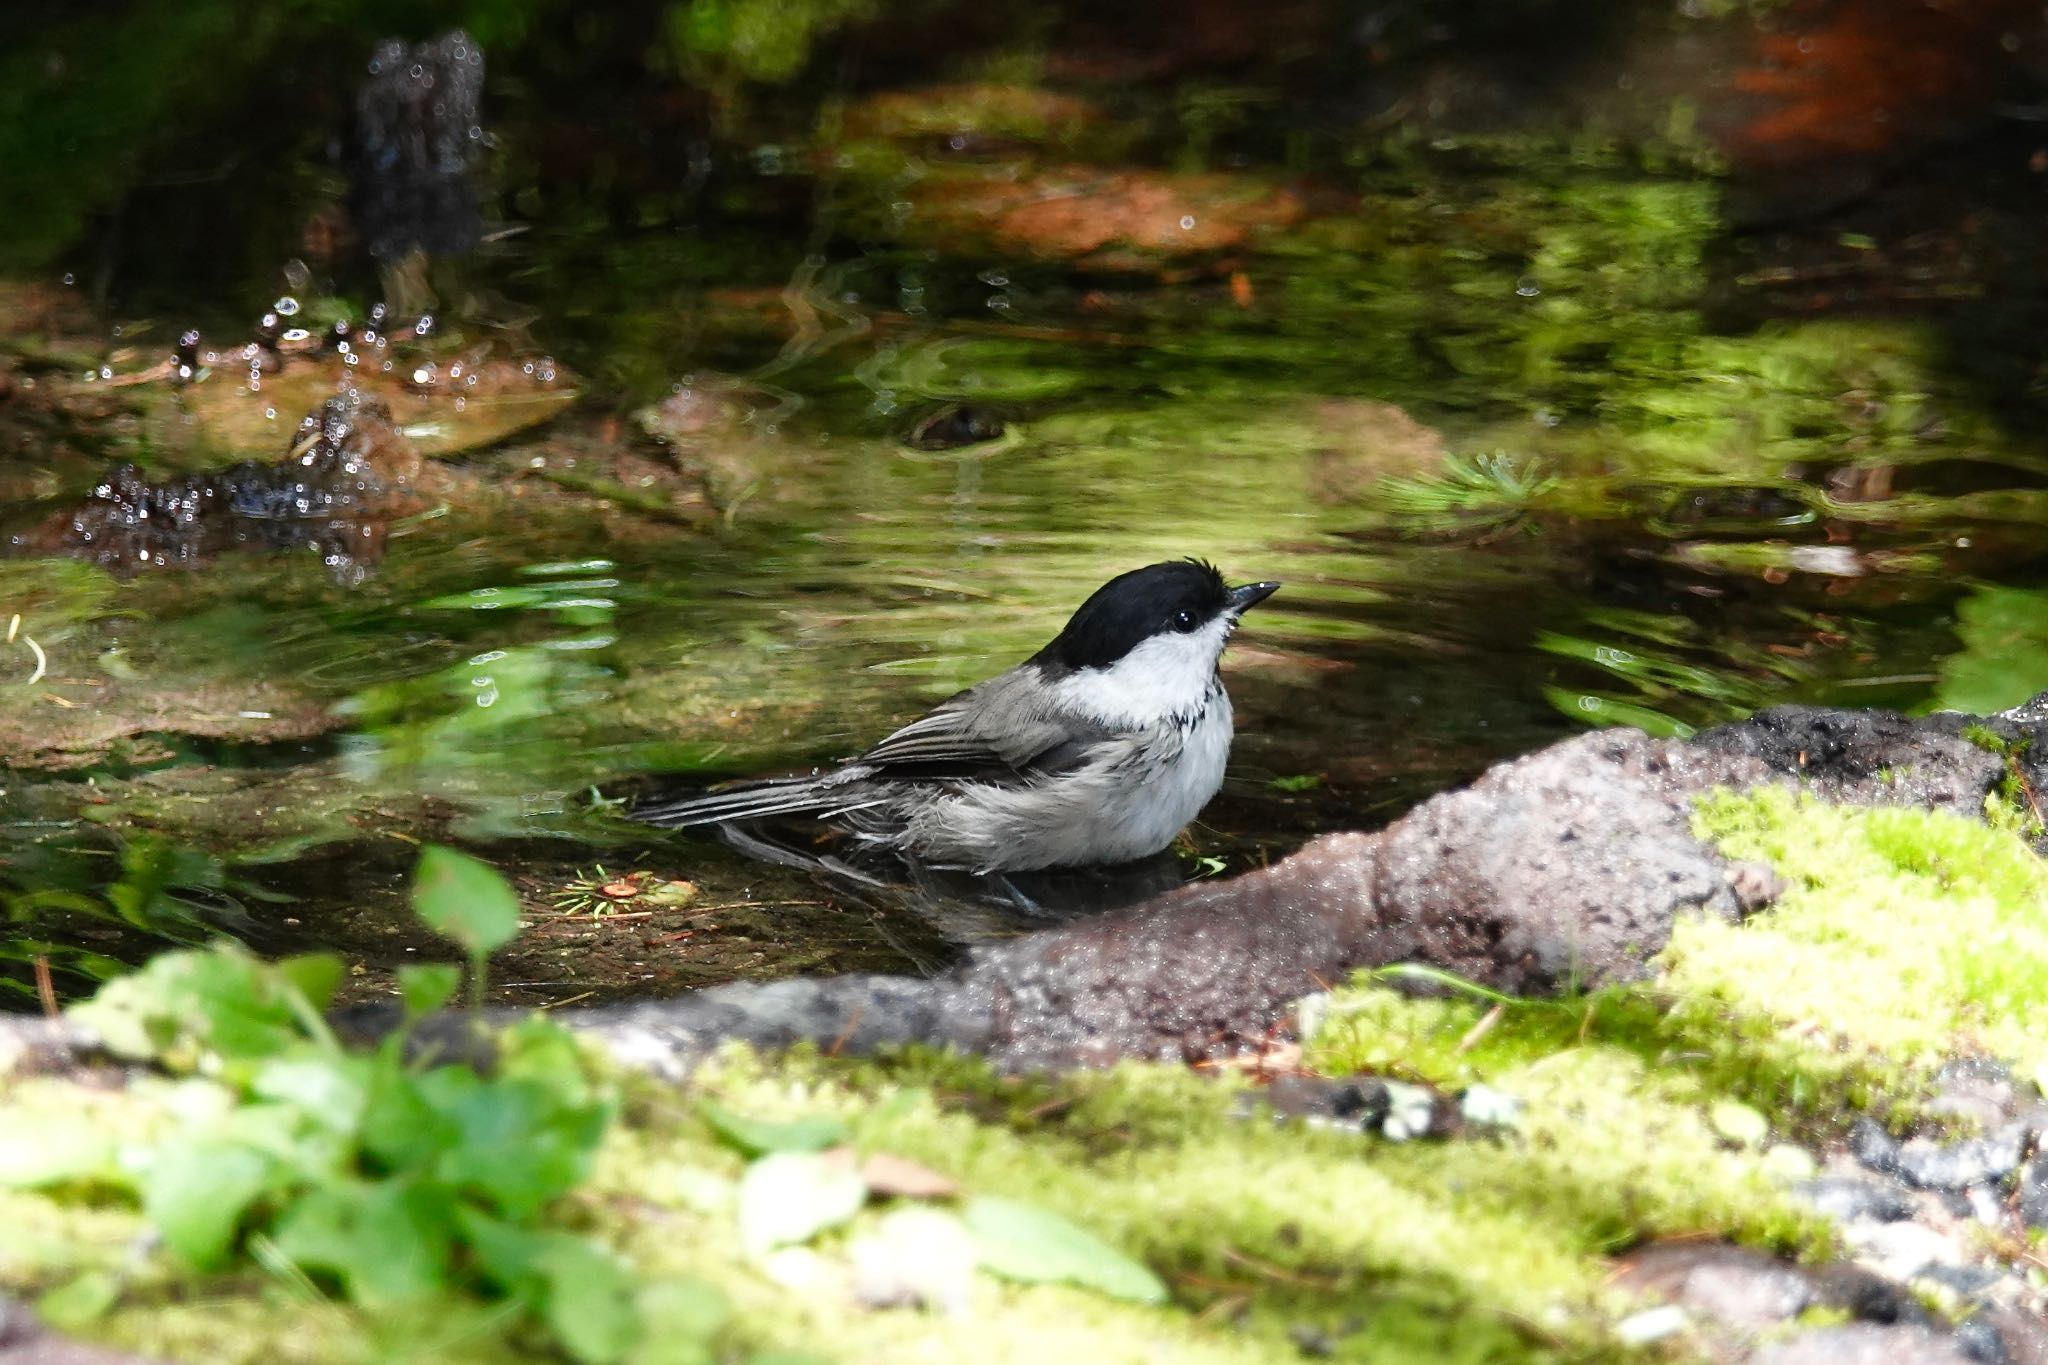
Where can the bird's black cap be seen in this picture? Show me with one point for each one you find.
(1179, 595)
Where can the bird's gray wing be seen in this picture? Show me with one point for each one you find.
(994, 733)
(991, 733)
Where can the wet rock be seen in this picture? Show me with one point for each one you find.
(1872, 758)
(1362, 441)
(1870, 1144)
(1861, 79)
(1987, 1204)
(2032, 1200)
(695, 411)
(1956, 1166)
(958, 120)
(2001, 1336)
(1740, 1304)
(1367, 1104)
(1109, 219)
(1731, 1287)
(1863, 1294)
(418, 134)
(1756, 886)
(1865, 1343)
(1574, 860)
(954, 426)
(1845, 1199)
(335, 493)
(1976, 1090)
(1899, 1251)
(445, 403)
(1967, 1281)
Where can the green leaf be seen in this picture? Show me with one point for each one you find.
(465, 900)
(400, 1128)
(589, 1303)
(2004, 659)
(511, 1141)
(317, 976)
(222, 999)
(78, 1302)
(388, 1242)
(789, 1197)
(196, 1192)
(584, 1295)
(756, 1137)
(1020, 1242)
(331, 1090)
(426, 986)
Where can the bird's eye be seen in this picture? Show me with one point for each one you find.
(1183, 620)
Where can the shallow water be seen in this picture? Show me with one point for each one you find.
(1537, 426)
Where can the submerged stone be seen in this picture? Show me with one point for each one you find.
(954, 426)
(335, 493)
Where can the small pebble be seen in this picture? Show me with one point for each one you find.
(1847, 1199)
(2033, 1194)
(1651, 1325)
(1870, 1144)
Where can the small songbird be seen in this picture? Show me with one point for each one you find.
(1097, 749)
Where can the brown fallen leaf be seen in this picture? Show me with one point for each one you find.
(901, 1178)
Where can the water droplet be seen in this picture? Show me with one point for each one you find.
(1187, 223)
(285, 307)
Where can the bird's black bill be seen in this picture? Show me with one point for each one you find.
(1250, 595)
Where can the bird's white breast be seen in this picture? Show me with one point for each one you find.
(1128, 801)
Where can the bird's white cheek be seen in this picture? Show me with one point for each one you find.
(1166, 675)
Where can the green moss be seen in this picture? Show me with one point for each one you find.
(1905, 935)
(1446, 1252)
(1474, 1250)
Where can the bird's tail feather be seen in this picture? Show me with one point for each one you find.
(826, 796)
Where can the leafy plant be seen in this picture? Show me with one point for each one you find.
(1472, 493)
(390, 1177)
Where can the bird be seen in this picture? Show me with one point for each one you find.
(1097, 750)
